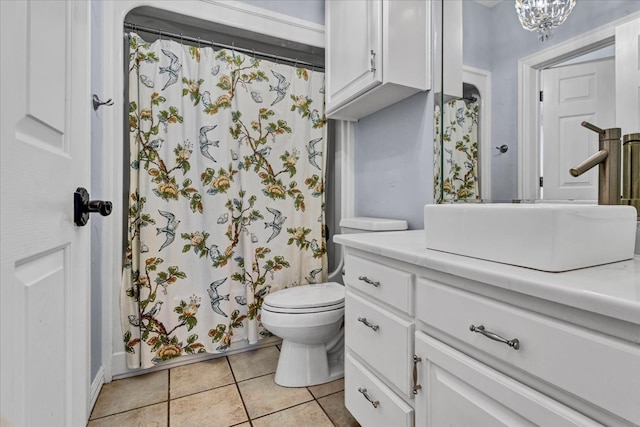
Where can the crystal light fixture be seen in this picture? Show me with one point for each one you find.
(543, 15)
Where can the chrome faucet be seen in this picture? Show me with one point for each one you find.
(609, 159)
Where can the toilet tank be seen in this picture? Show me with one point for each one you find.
(363, 224)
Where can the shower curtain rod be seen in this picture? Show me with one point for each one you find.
(200, 42)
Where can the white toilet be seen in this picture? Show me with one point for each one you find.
(309, 319)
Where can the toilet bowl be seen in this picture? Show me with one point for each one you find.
(310, 321)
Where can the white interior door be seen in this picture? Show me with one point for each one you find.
(572, 94)
(628, 77)
(45, 156)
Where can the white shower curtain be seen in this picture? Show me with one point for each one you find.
(456, 160)
(226, 200)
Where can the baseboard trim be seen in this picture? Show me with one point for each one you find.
(121, 371)
(96, 386)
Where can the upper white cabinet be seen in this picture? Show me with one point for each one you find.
(377, 53)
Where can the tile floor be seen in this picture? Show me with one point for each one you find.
(236, 390)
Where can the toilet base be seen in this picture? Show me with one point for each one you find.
(303, 365)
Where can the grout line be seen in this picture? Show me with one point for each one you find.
(201, 391)
(233, 374)
(285, 409)
(252, 378)
(246, 411)
(128, 410)
(323, 410)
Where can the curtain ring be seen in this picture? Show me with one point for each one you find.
(198, 42)
(181, 38)
(160, 33)
(254, 54)
(295, 64)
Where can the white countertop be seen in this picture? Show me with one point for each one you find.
(612, 290)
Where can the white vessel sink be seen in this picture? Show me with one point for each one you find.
(548, 237)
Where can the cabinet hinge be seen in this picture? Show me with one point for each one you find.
(541, 96)
(541, 181)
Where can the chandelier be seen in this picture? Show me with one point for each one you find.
(543, 15)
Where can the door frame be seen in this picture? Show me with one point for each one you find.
(108, 145)
(529, 69)
(481, 79)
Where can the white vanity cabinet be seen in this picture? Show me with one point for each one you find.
(379, 338)
(377, 53)
(487, 344)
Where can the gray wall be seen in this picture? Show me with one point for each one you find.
(394, 161)
(508, 42)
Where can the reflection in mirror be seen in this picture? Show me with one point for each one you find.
(456, 133)
(495, 45)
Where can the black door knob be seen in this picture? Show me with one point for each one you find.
(82, 207)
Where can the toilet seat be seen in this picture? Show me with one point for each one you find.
(306, 299)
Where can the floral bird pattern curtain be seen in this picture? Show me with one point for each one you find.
(226, 199)
(456, 178)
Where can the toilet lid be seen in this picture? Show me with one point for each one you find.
(307, 296)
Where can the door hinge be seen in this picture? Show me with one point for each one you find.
(541, 96)
(541, 181)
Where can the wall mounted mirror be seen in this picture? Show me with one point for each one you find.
(509, 106)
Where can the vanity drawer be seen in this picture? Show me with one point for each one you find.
(380, 338)
(383, 409)
(385, 283)
(584, 363)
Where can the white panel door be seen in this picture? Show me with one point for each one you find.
(45, 155)
(573, 94)
(628, 77)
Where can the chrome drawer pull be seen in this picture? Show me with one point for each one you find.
(366, 323)
(514, 343)
(373, 61)
(416, 386)
(375, 403)
(365, 279)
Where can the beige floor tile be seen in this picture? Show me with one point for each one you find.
(149, 416)
(220, 407)
(333, 405)
(197, 377)
(263, 396)
(308, 414)
(254, 363)
(327, 388)
(130, 393)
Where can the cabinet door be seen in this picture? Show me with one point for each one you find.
(354, 30)
(460, 391)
